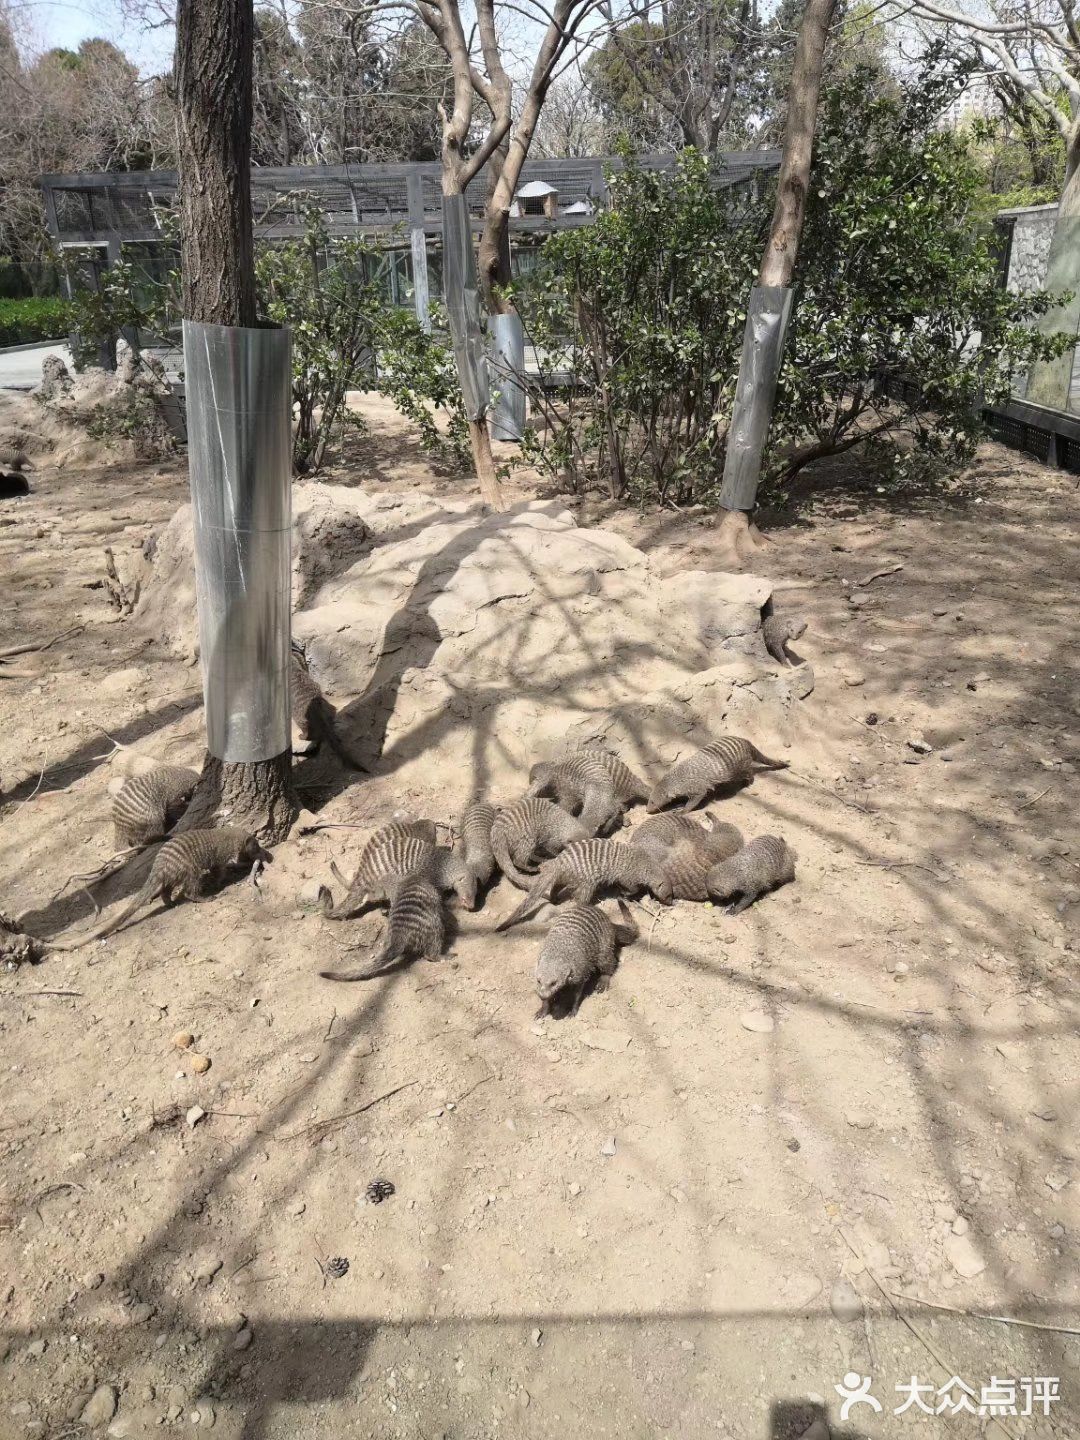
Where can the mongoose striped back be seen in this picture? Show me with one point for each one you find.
(763, 864)
(627, 785)
(398, 830)
(580, 943)
(527, 828)
(594, 784)
(180, 867)
(476, 826)
(587, 866)
(385, 863)
(145, 804)
(685, 851)
(777, 630)
(719, 763)
(414, 926)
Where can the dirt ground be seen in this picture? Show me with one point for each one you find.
(751, 1168)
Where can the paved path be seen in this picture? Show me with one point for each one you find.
(21, 368)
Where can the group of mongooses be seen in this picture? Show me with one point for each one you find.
(553, 848)
(553, 842)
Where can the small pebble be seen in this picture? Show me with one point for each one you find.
(536, 1336)
(845, 1302)
(757, 1021)
(100, 1408)
(36, 1349)
(960, 1226)
(242, 1339)
(92, 1279)
(208, 1269)
(608, 1147)
(194, 1115)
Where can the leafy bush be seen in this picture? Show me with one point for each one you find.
(317, 286)
(41, 318)
(344, 337)
(417, 372)
(894, 282)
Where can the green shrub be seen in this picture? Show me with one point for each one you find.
(895, 281)
(41, 318)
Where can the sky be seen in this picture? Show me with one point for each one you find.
(51, 23)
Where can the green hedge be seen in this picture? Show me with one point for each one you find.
(42, 318)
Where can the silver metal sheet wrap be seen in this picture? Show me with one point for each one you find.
(239, 416)
(507, 368)
(767, 318)
(461, 294)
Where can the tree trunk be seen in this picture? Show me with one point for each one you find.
(742, 468)
(493, 252)
(1050, 380)
(484, 463)
(214, 41)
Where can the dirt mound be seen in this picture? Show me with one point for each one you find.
(500, 639)
(85, 421)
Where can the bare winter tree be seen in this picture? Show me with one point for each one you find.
(214, 46)
(684, 60)
(570, 123)
(1034, 47)
(482, 87)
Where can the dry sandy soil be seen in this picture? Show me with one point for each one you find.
(757, 1163)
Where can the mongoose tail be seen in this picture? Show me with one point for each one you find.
(764, 759)
(179, 869)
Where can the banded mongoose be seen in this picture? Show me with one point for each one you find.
(146, 805)
(594, 785)
(313, 715)
(398, 830)
(723, 761)
(777, 630)
(414, 926)
(181, 867)
(686, 851)
(588, 866)
(385, 863)
(762, 865)
(581, 943)
(528, 828)
(476, 825)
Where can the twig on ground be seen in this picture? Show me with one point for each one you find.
(38, 649)
(902, 865)
(330, 824)
(32, 994)
(1035, 798)
(880, 574)
(997, 1319)
(109, 867)
(331, 1120)
(909, 1323)
(37, 787)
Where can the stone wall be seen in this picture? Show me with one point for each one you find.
(1032, 232)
